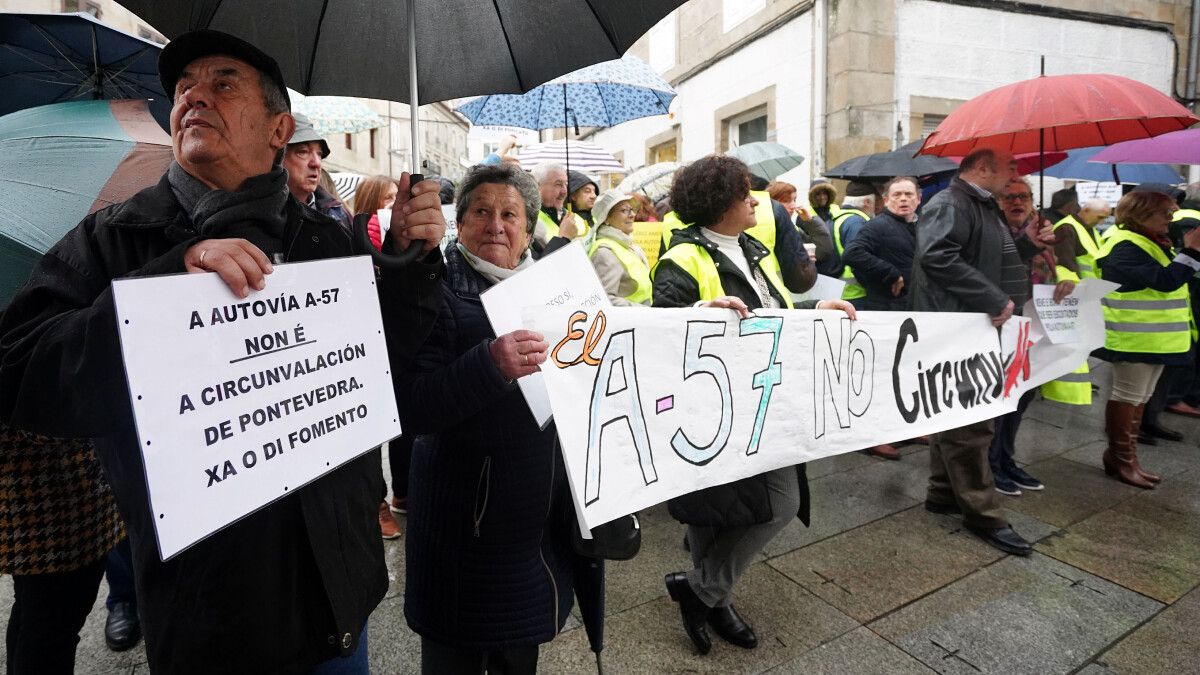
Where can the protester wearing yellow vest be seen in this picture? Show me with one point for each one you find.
(857, 208)
(774, 229)
(619, 263)
(714, 263)
(1148, 320)
(554, 228)
(1075, 252)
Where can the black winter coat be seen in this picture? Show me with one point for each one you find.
(746, 501)
(879, 254)
(286, 587)
(488, 543)
(957, 262)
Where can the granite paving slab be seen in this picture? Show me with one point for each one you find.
(1019, 615)
(860, 651)
(391, 646)
(650, 639)
(634, 582)
(845, 500)
(878, 567)
(1166, 459)
(1038, 440)
(1138, 544)
(1073, 492)
(1168, 643)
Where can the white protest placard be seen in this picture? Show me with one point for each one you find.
(825, 288)
(240, 402)
(563, 278)
(1059, 320)
(672, 401)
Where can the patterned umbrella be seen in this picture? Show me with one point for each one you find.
(64, 161)
(603, 95)
(585, 157)
(337, 114)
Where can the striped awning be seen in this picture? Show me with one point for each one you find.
(346, 184)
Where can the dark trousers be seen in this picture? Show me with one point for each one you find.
(399, 457)
(1158, 401)
(118, 570)
(959, 473)
(1004, 442)
(439, 659)
(47, 614)
(1185, 381)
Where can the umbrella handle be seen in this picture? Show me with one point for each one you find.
(386, 261)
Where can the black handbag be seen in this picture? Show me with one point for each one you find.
(620, 539)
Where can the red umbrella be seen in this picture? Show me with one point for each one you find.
(1072, 111)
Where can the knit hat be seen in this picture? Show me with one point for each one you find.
(578, 179)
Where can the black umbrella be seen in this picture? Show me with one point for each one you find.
(51, 58)
(435, 51)
(898, 162)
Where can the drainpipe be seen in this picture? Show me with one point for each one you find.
(1193, 62)
(820, 32)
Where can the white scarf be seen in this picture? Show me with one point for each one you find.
(494, 273)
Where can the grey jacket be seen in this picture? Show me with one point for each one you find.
(960, 242)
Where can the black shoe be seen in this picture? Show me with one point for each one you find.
(692, 609)
(1023, 480)
(1003, 538)
(122, 630)
(951, 509)
(732, 627)
(1146, 439)
(1159, 431)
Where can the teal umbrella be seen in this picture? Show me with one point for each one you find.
(60, 162)
(767, 159)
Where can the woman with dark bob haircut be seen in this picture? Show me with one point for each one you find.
(714, 263)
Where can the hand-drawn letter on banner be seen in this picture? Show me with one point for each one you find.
(684, 399)
(239, 402)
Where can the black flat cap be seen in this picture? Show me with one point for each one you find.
(200, 43)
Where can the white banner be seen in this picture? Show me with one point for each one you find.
(660, 403)
(238, 402)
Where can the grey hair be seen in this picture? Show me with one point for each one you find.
(542, 171)
(859, 202)
(504, 174)
(1023, 181)
(1192, 194)
(1097, 204)
(274, 97)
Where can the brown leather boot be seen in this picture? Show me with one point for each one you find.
(1120, 459)
(1137, 427)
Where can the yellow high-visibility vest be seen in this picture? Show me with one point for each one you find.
(696, 261)
(1087, 261)
(763, 230)
(853, 289)
(634, 267)
(1146, 321)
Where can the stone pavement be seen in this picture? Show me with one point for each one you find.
(878, 585)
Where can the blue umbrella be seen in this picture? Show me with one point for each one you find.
(603, 95)
(1078, 166)
(51, 58)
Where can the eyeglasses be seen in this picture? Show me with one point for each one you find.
(1017, 198)
(625, 211)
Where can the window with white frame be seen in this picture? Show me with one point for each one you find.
(734, 12)
(748, 127)
(662, 44)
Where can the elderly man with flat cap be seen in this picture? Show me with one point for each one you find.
(302, 160)
(289, 587)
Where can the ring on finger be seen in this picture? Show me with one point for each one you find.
(202, 254)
